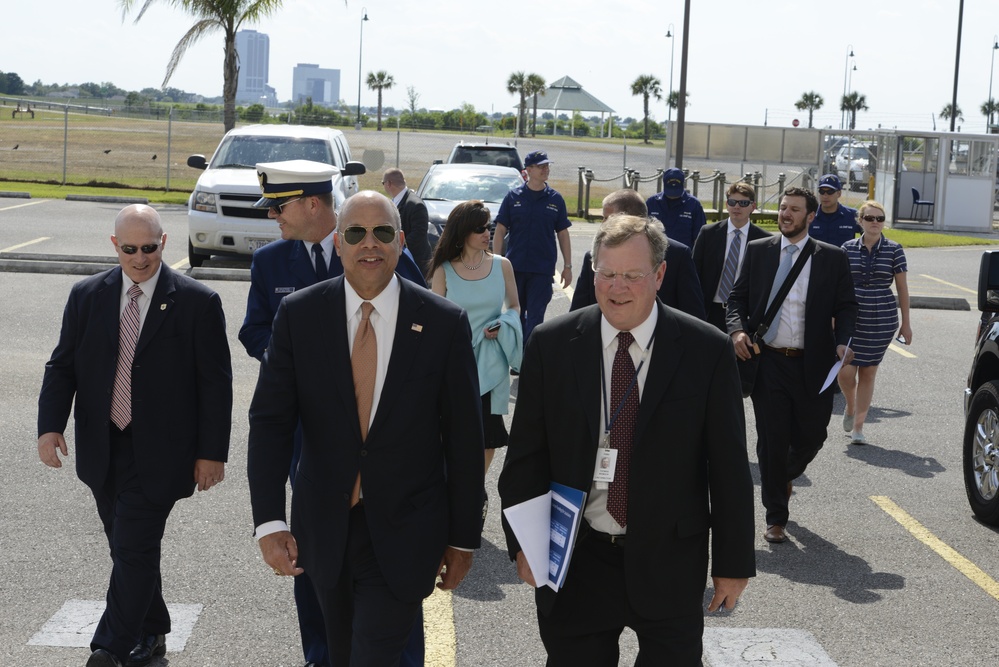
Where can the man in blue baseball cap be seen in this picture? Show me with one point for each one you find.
(833, 223)
(535, 215)
(679, 211)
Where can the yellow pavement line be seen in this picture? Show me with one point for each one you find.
(905, 353)
(438, 628)
(956, 560)
(30, 203)
(179, 265)
(944, 282)
(26, 243)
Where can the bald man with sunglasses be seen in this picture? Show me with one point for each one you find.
(382, 378)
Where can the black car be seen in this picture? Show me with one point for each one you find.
(981, 401)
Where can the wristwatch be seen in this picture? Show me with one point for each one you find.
(566, 266)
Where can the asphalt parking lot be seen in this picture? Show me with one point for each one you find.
(885, 565)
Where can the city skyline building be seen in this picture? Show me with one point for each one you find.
(254, 65)
(311, 80)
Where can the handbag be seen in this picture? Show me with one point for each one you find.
(749, 367)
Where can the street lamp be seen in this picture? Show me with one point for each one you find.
(995, 47)
(669, 91)
(849, 84)
(360, 48)
(846, 72)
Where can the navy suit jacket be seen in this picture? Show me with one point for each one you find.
(689, 470)
(283, 267)
(181, 381)
(680, 288)
(415, 219)
(422, 463)
(830, 298)
(709, 255)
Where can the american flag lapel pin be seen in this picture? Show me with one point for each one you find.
(418, 328)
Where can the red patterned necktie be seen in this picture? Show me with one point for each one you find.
(128, 335)
(622, 375)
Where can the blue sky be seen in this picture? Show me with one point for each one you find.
(748, 61)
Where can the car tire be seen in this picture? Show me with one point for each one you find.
(193, 258)
(981, 453)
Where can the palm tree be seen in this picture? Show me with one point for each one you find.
(988, 109)
(673, 101)
(515, 85)
(947, 112)
(811, 101)
(379, 81)
(212, 15)
(647, 86)
(851, 104)
(533, 86)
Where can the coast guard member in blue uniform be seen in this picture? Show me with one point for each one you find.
(679, 211)
(834, 223)
(535, 216)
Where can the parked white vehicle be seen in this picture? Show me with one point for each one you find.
(220, 214)
(854, 165)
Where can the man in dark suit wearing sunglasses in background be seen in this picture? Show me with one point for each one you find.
(388, 491)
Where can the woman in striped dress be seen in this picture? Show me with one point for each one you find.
(874, 262)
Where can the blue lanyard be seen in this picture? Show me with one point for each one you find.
(609, 420)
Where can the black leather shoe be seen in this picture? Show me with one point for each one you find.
(148, 648)
(103, 658)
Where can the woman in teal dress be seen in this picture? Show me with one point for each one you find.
(464, 271)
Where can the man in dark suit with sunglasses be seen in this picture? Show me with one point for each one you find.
(720, 250)
(143, 353)
(389, 491)
(303, 257)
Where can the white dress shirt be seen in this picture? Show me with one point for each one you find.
(791, 326)
(147, 287)
(327, 246)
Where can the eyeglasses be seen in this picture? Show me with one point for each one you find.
(629, 276)
(280, 207)
(480, 230)
(827, 191)
(383, 234)
(740, 202)
(872, 218)
(147, 249)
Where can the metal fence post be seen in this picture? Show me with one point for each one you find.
(65, 140)
(695, 176)
(589, 181)
(781, 182)
(636, 178)
(398, 139)
(580, 212)
(169, 137)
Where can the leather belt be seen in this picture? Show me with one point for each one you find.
(606, 538)
(786, 351)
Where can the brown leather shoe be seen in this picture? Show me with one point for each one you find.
(775, 534)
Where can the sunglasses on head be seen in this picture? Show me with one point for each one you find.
(740, 202)
(383, 234)
(280, 207)
(827, 191)
(872, 218)
(147, 249)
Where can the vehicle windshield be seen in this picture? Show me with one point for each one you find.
(855, 152)
(501, 156)
(244, 152)
(463, 186)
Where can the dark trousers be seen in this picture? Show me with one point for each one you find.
(535, 293)
(366, 625)
(591, 610)
(134, 527)
(791, 423)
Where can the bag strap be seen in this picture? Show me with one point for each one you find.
(782, 293)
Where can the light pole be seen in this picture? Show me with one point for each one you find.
(849, 86)
(846, 71)
(995, 47)
(360, 50)
(669, 91)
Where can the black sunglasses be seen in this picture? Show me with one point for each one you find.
(872, 218)
(147, 249)
(740, 202)
(479, 230)
(280, 207)
(827, 191)
(383, 234)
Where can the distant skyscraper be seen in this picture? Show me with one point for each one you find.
(254, 56)
(322, 85)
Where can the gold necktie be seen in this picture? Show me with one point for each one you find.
(363, 363)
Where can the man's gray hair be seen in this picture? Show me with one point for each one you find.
(626, 201)
(620, 227)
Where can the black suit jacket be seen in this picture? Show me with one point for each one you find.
(181, 381)
(709, 255)
(830, 297)
(422, 462)
(680, 288)
(415, 219)
(689, 469)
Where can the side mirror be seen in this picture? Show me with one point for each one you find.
(354, 168)
(197, 161)
(988, 282)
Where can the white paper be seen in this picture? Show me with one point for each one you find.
(834, 371)
(531, 522)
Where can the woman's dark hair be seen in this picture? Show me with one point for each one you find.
(465, 218)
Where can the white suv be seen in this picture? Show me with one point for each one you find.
(220, 214)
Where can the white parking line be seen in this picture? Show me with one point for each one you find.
(733, 647)
(30, 203)
(74, 624)
(26, 243)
